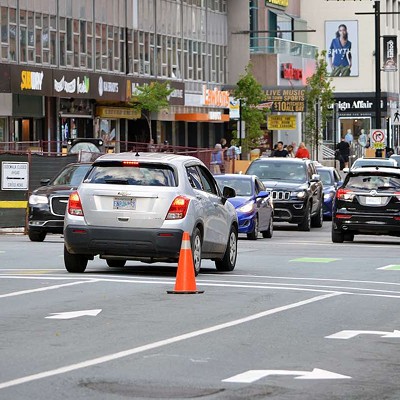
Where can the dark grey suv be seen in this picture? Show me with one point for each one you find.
(297, 190)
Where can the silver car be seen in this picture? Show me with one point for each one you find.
(133, 206)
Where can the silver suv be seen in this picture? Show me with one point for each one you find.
(137, 206)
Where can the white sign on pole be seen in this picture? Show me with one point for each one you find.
(14, 175)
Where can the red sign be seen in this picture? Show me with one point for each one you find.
(378, 136)
(288, 72)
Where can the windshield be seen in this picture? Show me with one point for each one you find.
(72, 175)
(279, 171)
(326, 177)
(242, 187)
(374, 163)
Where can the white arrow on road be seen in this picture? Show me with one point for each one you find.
(352, 334)
(74, 314)
(256, 374)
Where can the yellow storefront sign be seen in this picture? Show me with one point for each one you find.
(287, 122)
(283, 3)
(117, 112)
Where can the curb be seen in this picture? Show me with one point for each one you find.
(5, 231)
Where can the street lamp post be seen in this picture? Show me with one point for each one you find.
(378, 121)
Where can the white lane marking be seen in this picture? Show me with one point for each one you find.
(161, 343)
(307, 279)
(43, 289)
(353, 334)
(240, 284)
(353, 245)
(74, 314)
(257, 374)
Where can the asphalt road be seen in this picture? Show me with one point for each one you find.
(299, 318)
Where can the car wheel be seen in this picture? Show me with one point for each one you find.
(268, 233)
(305, 225)
(337, 236)
(229, 261)
(254, 234)
(348, 237)
(74, 262)
(196, 250)
(116, 263)
(37, 236)
(318, 220)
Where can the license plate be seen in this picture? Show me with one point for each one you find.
(373, 201)
(124, 203)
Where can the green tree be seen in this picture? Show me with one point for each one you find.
(319, 101)
(250, 93)
(151, 98)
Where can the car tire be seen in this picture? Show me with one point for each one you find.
(269, 232)
(36, 236)
(229, 261)
(348, 237)
(116, 263)
(74, 262)
(305, 225)
(196, 250)
(254, 234)
(318, 219)
(337, 236)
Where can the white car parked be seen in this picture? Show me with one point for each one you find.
(134, 206)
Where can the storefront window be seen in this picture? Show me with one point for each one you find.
(3, 122)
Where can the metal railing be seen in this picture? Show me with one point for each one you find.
(273, 45)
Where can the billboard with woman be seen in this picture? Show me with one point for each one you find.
(341, 43)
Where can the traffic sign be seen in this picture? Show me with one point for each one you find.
(14, 175)
(378, 137)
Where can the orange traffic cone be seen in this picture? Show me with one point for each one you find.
(185, 280)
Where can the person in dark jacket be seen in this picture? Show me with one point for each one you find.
(343, 153)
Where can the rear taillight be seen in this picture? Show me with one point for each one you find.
(343, 216)
(345, 194)
(178, 208)
(75, 205)
(397, 194)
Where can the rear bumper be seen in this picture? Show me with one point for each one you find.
(368, 224)
(129, 243)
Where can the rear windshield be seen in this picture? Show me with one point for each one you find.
(279, 171)
(138, 175)
(72, 175)
(373, 182)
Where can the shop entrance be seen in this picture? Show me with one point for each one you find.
(28, 129)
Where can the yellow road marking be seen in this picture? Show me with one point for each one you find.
(13, 204)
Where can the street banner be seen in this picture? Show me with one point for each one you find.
(234, 108)
(389, 53)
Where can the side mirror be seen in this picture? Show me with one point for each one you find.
(44, 182)
(315, 178)
(228, 192)
(263, 194)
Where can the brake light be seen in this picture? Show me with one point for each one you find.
(130, 163)
(345, 194)
(178, 208)
(343, 216)
(75, 205)
(397, 194)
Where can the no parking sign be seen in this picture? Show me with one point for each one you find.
(378, 137)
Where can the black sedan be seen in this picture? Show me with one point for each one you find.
(47, 204)
(367, 203)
